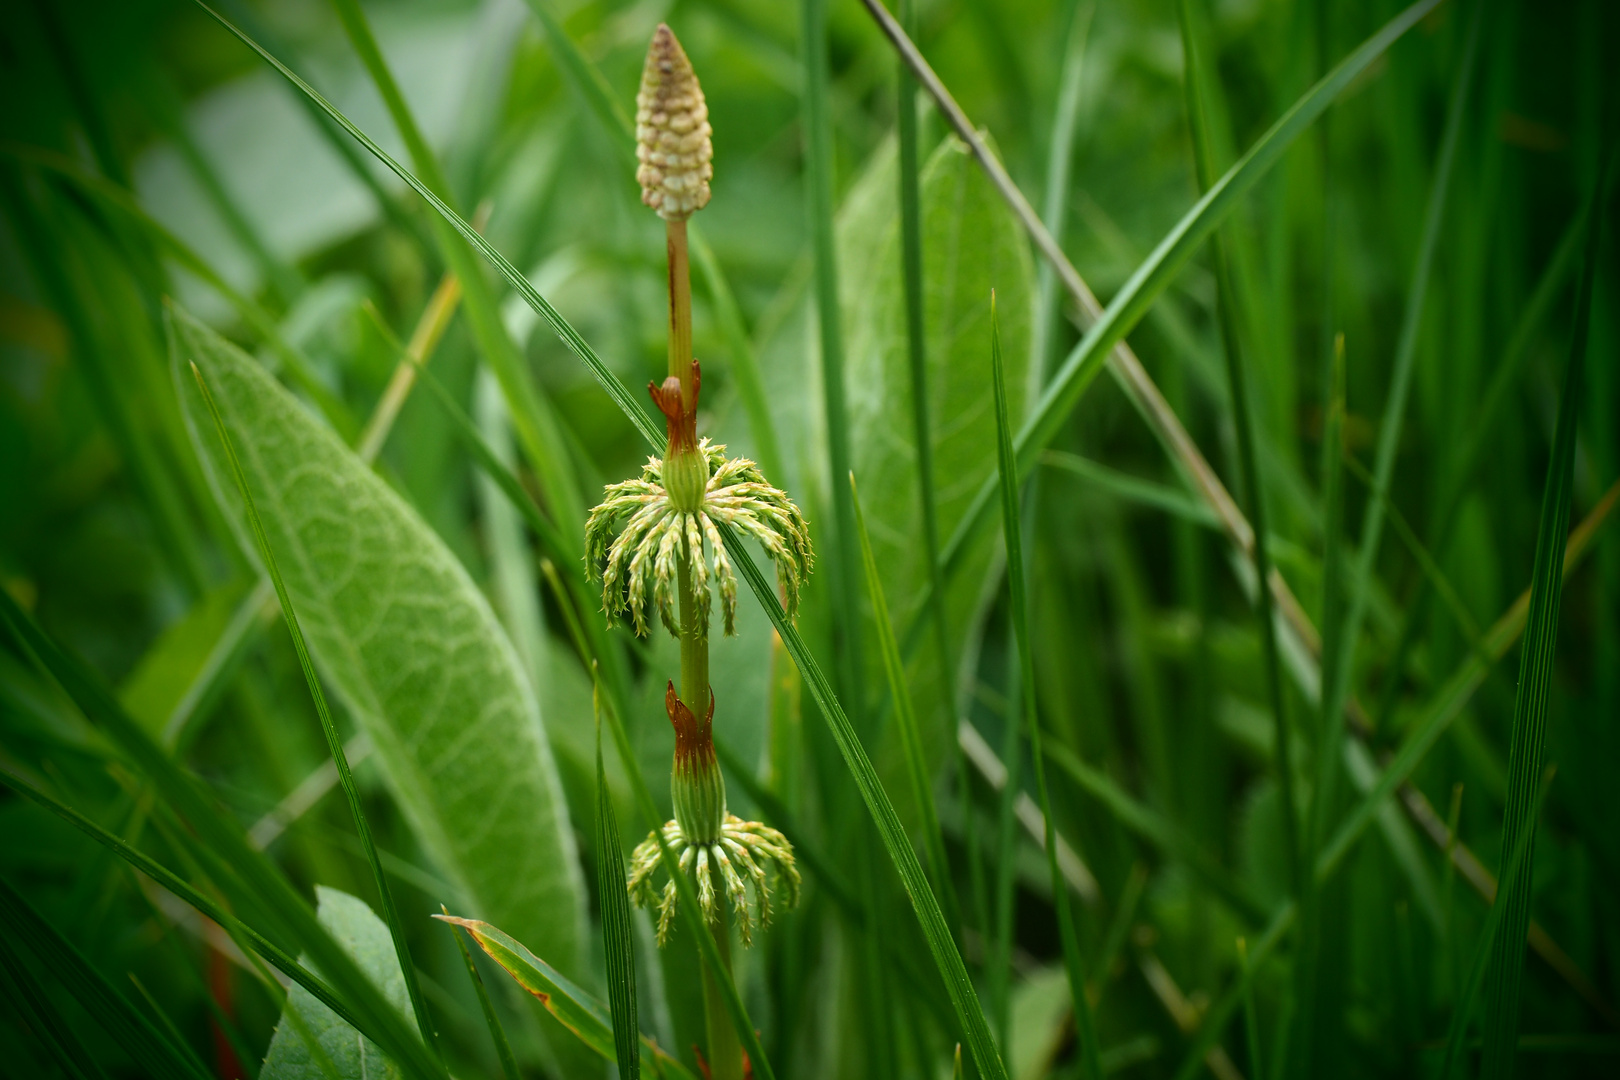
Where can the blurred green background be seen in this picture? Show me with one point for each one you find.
(146, 156)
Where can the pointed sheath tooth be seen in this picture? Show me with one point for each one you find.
(672, 132)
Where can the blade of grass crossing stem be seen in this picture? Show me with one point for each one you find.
(964, 1000)
(1150, 279)
(819, 211)
(497, 1033)
(536, 425)
(904, 715)
(151, 1049)
(685, 891)
(1013, 533)
(1492, 941)
(958, 986)
(618, 936)
(1059, 154)
(1236, 376)
(219, 835)
(610, 382)
(744, 363)
(396, 928)
(1530, 704)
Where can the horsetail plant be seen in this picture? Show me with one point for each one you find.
(659, 538)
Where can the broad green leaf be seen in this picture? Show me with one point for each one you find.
(576, 1010)
(352, 1055)
(406, 640)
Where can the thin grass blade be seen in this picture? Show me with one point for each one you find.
(130, 1028)
(222, 838)
(922, 789)
(497, 1032)
(1253, 483)
(1530, 705)
(34, 1008)
(1491, 942)
(618, 934)
(847, 654)
(1011, 515)
(964, 999)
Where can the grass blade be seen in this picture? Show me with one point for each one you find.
(1011, 512)
(222, 838)
(128, 1026)
(817, 122)
(1237, 381)
(1251, 1024)
(34, 1008)
(1491, 942)
(617, 933)
(911, 741)
(334, 742)
(964, 1000)
(1337, 670)
(575, 1009)
(1530, 705)
(165, 877)
(686, 892)
(497, 1033)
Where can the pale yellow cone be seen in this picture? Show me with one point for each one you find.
(672, 132)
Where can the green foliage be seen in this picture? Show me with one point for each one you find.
(1239, 182)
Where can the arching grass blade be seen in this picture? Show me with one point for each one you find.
(1011, 513)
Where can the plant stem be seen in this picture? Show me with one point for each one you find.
(725, 1050)
(680, 307)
